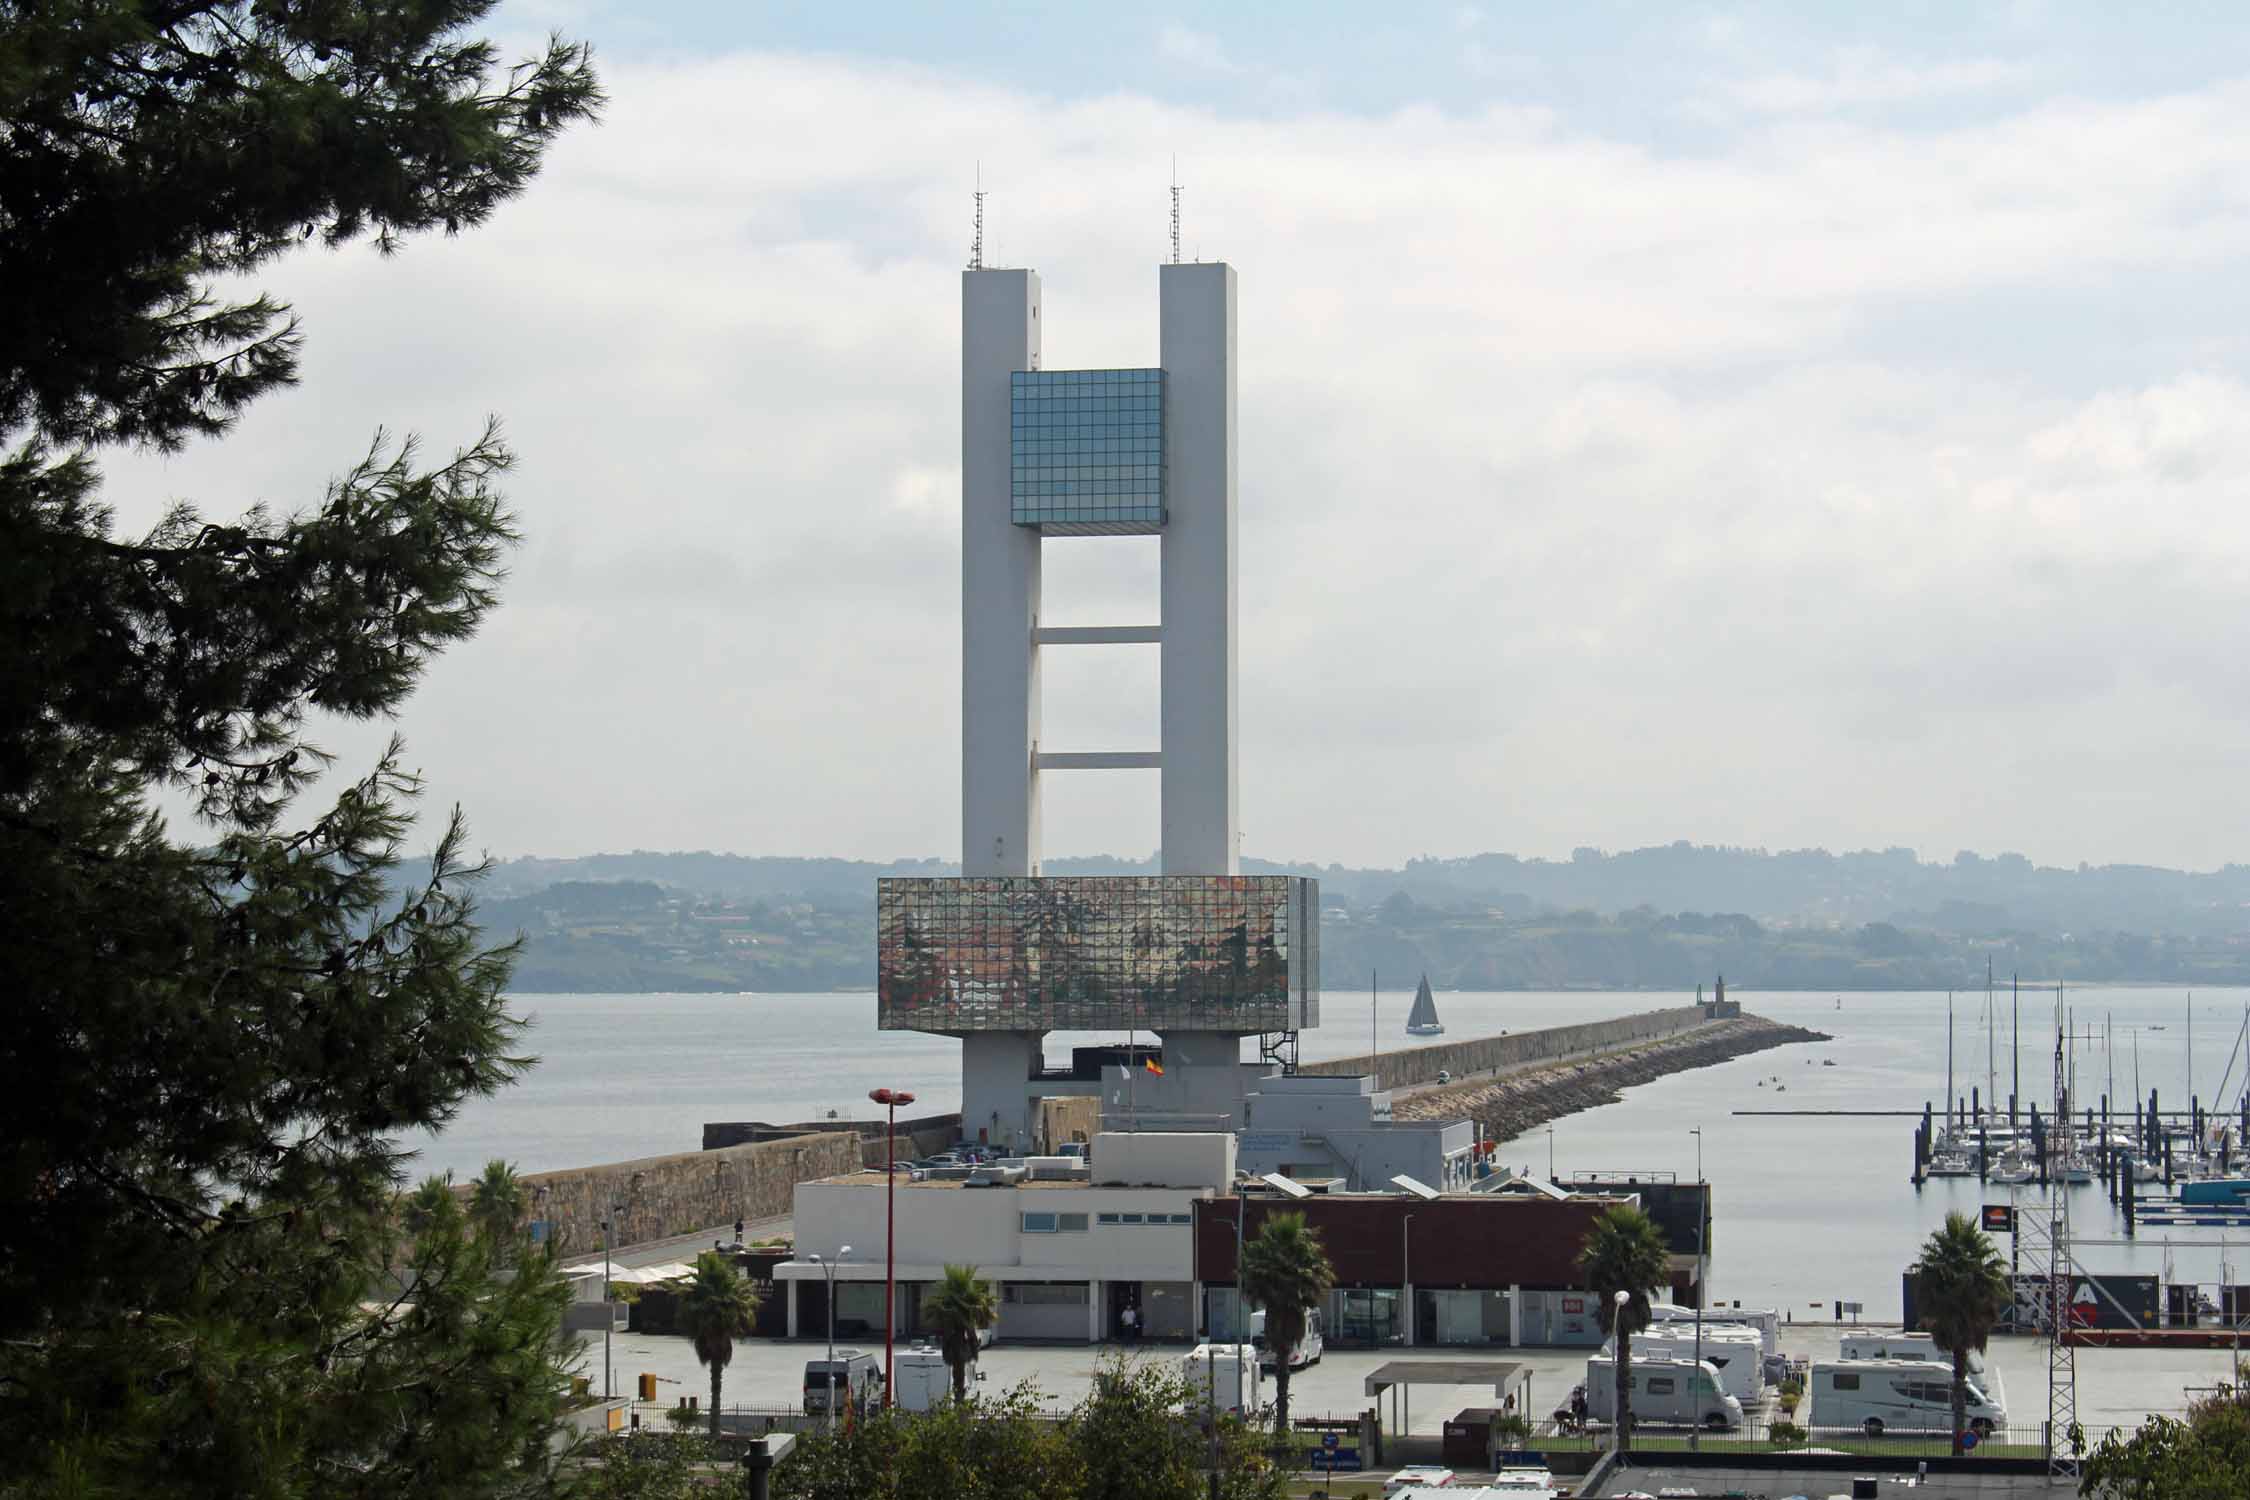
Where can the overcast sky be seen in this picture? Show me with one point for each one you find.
(1724, 424)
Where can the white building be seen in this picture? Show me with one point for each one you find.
(1066, 1257)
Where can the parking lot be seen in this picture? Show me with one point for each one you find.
(2115, 1386)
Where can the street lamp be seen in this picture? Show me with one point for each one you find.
(1406, 1276)
(609, 1313)
(892, 1098)
(1695, 1433)
(1617, 1438)
(1550, 1153)
(828, 1269)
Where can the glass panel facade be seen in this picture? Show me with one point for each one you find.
(1229, 953)
(1087, 448)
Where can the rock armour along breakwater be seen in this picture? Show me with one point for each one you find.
(1507, 1106)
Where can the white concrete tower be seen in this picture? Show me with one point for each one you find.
(1003, 954)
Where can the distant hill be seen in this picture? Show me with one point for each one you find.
(1665, 917)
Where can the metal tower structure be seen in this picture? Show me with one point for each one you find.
(2062, 1356)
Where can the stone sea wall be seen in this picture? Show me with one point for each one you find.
(662, 1196)
(1411, 1066)
(1506, 1106)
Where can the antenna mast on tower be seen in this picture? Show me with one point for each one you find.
(976, 245)
(1175, 210)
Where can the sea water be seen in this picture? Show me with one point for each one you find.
(1808, 1210)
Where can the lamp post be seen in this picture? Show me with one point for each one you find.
(609, 1313)
(1695, 1432)
(1406, 1276)
(1550, 1153)
(1617, 1437)
(892, 1098)
(828, 1269)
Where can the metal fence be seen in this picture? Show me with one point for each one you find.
(1764, 1434)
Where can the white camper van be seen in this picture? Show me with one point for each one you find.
(1922, 1346)
(1894, 1395)
(1667, 1392)
(1765, 1320)
(1733, 1352)
(1221, 1375)
(854, 1378)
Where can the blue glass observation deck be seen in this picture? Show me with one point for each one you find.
(1087, 451)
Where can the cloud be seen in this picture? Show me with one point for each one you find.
(1860, 78)
(1780, 494)
(1197, 49)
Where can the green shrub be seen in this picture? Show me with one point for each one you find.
(1782, 1434)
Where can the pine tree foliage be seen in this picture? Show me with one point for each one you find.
(210, 1282)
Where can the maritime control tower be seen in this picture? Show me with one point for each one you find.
(1200, 953)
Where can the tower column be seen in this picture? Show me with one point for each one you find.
(999, 585)
(1200, 787)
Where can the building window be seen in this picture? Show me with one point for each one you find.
(1105, 1218)
(1038, 1223)
(1044, 1293)
(1131, 1219)
(1071, 1223)
(1183, 1218)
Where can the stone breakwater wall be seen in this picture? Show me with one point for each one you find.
(1412, 1066)
(924, 1135)
(1515, 1102)
(662, 1196)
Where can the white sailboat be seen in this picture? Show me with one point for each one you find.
(1422, 1019)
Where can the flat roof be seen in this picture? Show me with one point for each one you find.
(872, 1178)
(1497, 1373)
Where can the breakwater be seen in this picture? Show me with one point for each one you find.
(657, 1197)
(1531, 1095)
(1409, 1067)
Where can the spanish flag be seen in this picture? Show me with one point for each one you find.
(1153, 1066)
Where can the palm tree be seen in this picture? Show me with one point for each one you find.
(1961, 1288)
(1285, 1271)
(717, 1306)
(960, 1307)
(496, 1202)
(1624, 1252)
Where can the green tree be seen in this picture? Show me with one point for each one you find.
(717, 1306)
(1961, 1288)
(999, 1449)
(496, 1202)
(216, 1041)
(1285, 1271)
(2206, 1457)
(1624, 1252)
(960, 1307)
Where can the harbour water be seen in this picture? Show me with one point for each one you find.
(1809, 1211)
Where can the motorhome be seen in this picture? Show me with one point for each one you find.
(1668, 1392)
(1893, 1395)
(1733, 1352)
(1765, 1320)
(853, 1379)
(1224, 1376)
(1308, 1348)
(1922, 1346)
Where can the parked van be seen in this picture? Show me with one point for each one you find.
(923, 1379)
(1733, 1352)
(1308, 1348)
(1222, 1375)
(854, 1376)
(1669, 1392)
(1894, 1395)
(1922, 1346)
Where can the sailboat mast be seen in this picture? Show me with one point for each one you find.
(1949, 1114)
(2015, 1044)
